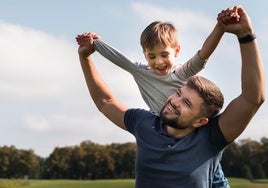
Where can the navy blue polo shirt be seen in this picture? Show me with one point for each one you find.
(165, 161)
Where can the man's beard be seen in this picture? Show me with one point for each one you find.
(174, 123)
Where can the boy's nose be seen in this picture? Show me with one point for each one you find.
(159, 61)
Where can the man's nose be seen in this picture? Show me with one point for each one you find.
(176, 102)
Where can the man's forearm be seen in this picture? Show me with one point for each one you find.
(95, 84)
(253, 82)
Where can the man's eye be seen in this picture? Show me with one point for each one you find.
(187, 103)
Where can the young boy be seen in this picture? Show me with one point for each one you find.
(161, 77)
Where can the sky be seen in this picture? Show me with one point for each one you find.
(44, 101)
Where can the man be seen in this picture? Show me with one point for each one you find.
(182, 147)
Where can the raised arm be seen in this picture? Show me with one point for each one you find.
(102, 96)
(241, 110)
(211, 42)
(114, 55)
(107, 51)
(197, 63)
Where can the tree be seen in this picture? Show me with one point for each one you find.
(263, 155)
(124, 155)
(4, 161)
(231, 161)
(58, 163)
(251, 151)
(247, 159)
(27, 164)
(17, 163)
(99, 163)
(78, 165)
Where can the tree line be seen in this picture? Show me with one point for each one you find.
(246, 159)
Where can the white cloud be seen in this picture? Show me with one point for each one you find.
(33, 63)
(35, 123)
(182, 18)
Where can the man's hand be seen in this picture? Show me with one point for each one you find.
(235, 20)
(85, 51)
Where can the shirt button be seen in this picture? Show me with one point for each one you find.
(169, 146)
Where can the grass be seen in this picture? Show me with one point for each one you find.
(244, 183)
(118, 183)
(13, 183)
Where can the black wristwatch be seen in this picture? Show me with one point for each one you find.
(247, 38)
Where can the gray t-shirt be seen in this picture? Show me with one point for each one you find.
(154, 89)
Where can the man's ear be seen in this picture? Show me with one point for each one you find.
(200, 122)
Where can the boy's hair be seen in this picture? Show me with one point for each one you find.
(156, 33)
(209, 92)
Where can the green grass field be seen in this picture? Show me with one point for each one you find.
(126, 183)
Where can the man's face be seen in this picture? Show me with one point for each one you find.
(161, 59)
(182, 110)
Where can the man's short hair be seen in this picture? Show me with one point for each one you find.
(209, 92)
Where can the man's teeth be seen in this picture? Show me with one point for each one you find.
(170, 108)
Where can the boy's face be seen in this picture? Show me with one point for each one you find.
(161, 59)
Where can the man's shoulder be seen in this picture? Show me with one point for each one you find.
(139, 112)
(139, 116)
(136, 118)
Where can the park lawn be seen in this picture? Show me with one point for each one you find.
(244, 183)
(118, 183)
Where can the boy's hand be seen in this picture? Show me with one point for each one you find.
(86, 38)
(85, 42)
(229, 16)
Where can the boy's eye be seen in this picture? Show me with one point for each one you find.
(151, 57)
(165, 55)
